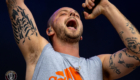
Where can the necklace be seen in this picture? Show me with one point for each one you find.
(79, 67)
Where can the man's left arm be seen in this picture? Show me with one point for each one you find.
(126, 60)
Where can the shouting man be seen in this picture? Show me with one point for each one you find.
(61, 60)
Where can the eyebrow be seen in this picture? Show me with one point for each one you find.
(67, 11)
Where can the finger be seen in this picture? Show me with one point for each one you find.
(83, 5)
(93, 0)
(91, 3)
(87, 4)
(91, 16)
(86, 15)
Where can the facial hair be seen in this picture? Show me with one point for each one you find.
(63, 35)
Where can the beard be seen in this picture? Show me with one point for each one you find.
(69, 37)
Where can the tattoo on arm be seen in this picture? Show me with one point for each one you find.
(112, 66)
(121, 34)
(133, 45)
(131, 27)
(121, 61)
(11, 3)
(127, 24)
(22, 25)
(114, 55)
(133, 56)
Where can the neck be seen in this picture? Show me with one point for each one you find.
(66, 48)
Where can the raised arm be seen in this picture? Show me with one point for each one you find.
(25, 30)
(126, 60)
(26, 34)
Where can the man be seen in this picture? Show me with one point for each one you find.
(61, 61)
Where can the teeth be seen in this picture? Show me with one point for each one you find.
(72, 28)
(71, 24)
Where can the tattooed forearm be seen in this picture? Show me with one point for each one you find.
(121, 61)
(22, 25)
(112, 66)
(131, 27)
(133, 45)
(121, 34)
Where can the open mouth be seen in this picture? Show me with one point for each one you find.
(71, 24)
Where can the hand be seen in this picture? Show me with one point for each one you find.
(96, 11)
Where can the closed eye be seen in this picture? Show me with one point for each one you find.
(63, 14)
(78, 16)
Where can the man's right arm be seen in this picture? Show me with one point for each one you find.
(25, 31)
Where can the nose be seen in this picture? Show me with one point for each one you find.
(72, 13)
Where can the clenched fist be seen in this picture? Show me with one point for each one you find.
(96, 11)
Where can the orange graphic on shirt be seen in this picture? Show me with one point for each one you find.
(69, 72)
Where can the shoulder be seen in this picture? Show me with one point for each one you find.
(103, 56)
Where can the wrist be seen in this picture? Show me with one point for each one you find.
(107, 6)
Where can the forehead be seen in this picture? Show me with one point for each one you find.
(65, 9)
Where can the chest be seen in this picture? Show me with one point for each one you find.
(64, 70)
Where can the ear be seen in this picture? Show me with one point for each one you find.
(81, 38)
(50, 31)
